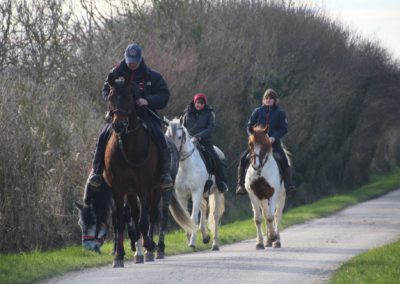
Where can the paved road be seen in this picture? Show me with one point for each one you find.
(311, 252)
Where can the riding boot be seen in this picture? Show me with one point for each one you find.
(240, 190)
(165, 178)
(289, 185)
(94, 179)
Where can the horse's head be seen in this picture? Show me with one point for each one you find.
(92, 236)
(178, 133)
(259, 145)
(121, 104)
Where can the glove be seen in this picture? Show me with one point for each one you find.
(193, 139)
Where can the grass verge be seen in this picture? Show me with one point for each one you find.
(380, 265)
(34, 266)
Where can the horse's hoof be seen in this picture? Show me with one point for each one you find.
(193, 247)
(206, 240)
(260, 246)
(139, 259)
(268, 244)
(277, 244)
(215, 247)
(149, 256)
(160, 255)
(118, 263)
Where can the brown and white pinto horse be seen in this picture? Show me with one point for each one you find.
(265, 187)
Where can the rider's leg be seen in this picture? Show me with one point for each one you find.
(220, 177)
(243, 163)
(94, 179)
(165, 155)
(287, 171)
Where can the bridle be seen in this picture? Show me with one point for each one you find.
(184, 156)
(122, 128)
(262, 161)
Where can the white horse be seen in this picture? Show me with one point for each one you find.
(190, 183)
(265, 187)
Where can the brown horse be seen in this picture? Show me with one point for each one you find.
(131, 167)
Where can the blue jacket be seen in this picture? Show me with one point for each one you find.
(271, 115)
(148, 84)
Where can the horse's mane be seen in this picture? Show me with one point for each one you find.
(284, 147)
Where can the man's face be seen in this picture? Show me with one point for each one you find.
(133, 66)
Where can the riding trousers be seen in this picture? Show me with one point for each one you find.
(219, 172)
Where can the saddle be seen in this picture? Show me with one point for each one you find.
(207, 158)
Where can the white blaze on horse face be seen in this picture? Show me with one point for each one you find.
(257, 158)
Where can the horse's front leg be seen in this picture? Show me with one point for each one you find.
(119, 238)
(196, 198)
(255, 204)
(144, 226)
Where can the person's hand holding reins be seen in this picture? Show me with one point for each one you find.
(142, 102)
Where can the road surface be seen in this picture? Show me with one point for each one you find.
(310, 253)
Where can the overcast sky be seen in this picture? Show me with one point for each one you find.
(374, 19)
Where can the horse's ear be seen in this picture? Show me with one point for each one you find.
(181, 120)
(78, 206)
(266, 129)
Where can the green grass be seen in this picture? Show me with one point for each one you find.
(34, 266)
(380, 265)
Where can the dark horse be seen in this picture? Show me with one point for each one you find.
(132, 170)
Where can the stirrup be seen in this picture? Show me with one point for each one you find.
(94, 180)
(240, 190)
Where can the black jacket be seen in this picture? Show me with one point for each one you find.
(200, 124)
(147, 83)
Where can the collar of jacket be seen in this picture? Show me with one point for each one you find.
(270, 108)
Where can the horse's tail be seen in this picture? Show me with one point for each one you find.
(181, 215)
(216, 203)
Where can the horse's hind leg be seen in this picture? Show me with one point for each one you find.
(165, 201)
(203, 222)
(278, 217)
(216, 207)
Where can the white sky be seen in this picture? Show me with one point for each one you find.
(373, 19)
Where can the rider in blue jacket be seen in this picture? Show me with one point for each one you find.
(268, 114)
(151, 93)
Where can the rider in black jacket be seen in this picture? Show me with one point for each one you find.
(151, 93)
(199, 119)
(268, 114)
